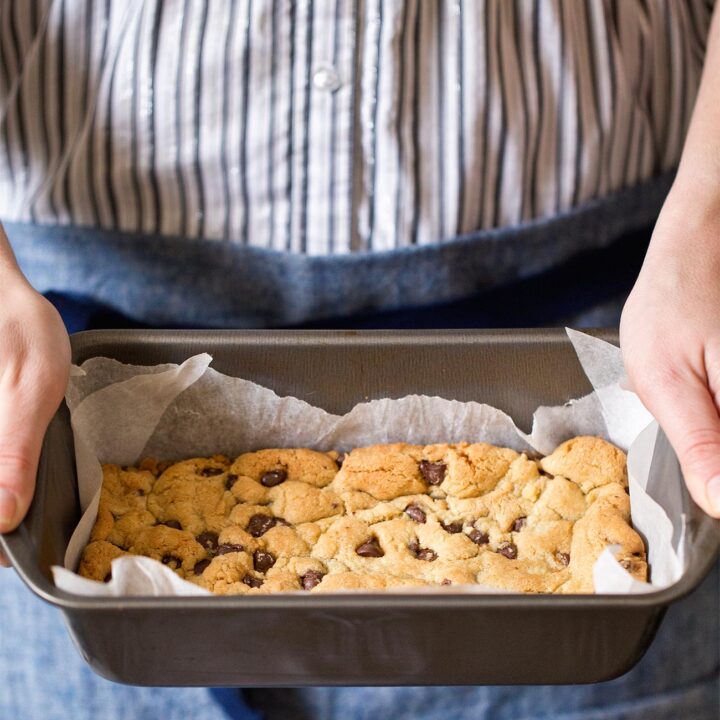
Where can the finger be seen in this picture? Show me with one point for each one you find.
(23, 422)
(17, 484)
(684, 407)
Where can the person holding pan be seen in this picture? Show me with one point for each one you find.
(384, 163)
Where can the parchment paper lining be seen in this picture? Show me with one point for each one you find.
(122, 413)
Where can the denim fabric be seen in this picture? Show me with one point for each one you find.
(588, 290)
(173, 281)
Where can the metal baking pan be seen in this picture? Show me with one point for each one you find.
(358, 639)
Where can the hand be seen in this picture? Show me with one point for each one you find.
(34, 367)
(670, 338)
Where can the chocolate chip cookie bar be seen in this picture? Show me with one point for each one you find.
(385, 516)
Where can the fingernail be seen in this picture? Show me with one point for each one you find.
(8, 508)
(713, 493)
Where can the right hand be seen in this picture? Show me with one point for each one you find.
(34, 369)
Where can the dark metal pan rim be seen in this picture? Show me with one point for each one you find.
(341, 338)
(395, 601)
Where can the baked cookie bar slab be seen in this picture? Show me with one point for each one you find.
(384, 516)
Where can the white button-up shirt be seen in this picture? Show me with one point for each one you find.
(336, 126)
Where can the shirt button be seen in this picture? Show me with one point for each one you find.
(325, 77)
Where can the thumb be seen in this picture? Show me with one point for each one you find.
(22, 426)
(685, 409)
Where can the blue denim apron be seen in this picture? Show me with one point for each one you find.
(204, 284)
(199, 283)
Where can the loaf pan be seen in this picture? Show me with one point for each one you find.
(348, 639)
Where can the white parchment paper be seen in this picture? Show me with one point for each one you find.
(122, 413)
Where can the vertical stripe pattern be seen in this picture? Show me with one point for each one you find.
(337, 126)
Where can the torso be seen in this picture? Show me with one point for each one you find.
(334, 127)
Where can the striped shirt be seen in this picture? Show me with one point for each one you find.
(337, 126)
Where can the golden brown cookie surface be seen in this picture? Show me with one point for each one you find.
(385, 516)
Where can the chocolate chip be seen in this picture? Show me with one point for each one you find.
(199, 568)
(479, 538)
(259, 524)
(125, 468)
(140, 492)
(107, 578)
(427, 554)
(174, 524)
(422, 553)
(172, 561)
(416, 513)
(628, 564)
(210, 471)
(562, 558)
(433, 472)
(339, 460)
(370, 548)
(209, 540)
(519, 524)
(252, 582)
(262, 561)
(230, 480)
(311, 579)
(508, 550)
(273, 477)
(226, 548)
(451, 528)
(446, 582)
